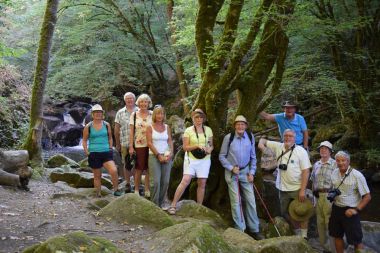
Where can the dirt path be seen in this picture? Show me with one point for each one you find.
(27, 218)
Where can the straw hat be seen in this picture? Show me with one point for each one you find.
(301, 211)
(326, 144)
(241, 118)
(198, 111)
(288, 104)
(97, 107)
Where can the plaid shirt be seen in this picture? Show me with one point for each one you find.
(321, 175)
(122, 118)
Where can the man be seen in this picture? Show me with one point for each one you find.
(322, 184)
(351, 199)
(290, 120)
(238, 157)
(292, 175)
(122, 134)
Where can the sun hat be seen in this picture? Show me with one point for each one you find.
(197, 111)
(326, 144)
(97, 107)
(241, 118)
(301, 211)
(289, 104)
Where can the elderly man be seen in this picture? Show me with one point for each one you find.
(348, 201)
(321, 178)
(290, 120)
(122, 134)
(238, 157)
(292, 175)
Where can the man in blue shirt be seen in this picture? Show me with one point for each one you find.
(238, 157)
(289, 119)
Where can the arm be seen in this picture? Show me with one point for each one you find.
(117, 136)
(187, 146)
(267, 116)
(150, 143)
(223, 152)
(131, 135)
(210, 146)
(304, 178)
(353, 211)
(110, 140)
(252, 169)
(262, 144)
(170, 142)
(305, 139)
(84, 140)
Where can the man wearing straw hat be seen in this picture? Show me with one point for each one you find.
(238, 157)
(322, 184)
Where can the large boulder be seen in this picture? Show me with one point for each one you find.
(136, 210)
(66, 134)
(13, 160)
(237, 239)
(280, 225)
(187, 237)
(74, 242)
(77, 179)
(190, 209)
(59, 160)
(371, 234)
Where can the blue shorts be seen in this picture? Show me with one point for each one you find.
(97, 159)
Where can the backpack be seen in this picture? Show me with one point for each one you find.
(106, 124)
(232, 135)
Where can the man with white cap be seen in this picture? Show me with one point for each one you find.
(238, 157)
(321, 178)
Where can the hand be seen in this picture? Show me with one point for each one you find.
(118, 147)
(131, 150)
(161, 158)
(250, 177)
(235, 170)
(350, 212)
(301, 196)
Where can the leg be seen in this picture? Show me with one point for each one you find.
(186, 179)
(127, 173)
(155, 172)
(339, 245)
(201, 190)
(235, 201)
(97, 180)
(164, 184)
(246, 190)
(146, 182)
(112, 170)
(137, 178)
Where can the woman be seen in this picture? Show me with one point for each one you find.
(99, 152)
(161, 151)
(197, 143)
(138, 144)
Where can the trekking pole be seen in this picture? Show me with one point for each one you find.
(240, 204)
(266, 209)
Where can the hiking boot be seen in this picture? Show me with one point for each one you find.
(128, 188)
(117, 193)
(256, 235)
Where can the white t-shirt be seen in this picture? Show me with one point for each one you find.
(290, 179)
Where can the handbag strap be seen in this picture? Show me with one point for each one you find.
(134, 129)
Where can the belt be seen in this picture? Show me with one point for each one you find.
(323, 190)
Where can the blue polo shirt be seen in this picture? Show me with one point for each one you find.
(297, 124)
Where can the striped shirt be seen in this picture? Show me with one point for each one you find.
(321, 174)
(122, 118)
(352, 189)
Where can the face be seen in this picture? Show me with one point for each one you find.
(144, 104)
(198, 119)
(289, 111)
(97, 115)
(342, 163)
(160, 116)
(129, 101)
(324, 152)
(240, 128)
(289, 139)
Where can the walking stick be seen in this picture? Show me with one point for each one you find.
(266, 209)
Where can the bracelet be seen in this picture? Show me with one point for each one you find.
(357, 209)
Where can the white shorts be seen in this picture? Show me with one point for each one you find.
(199, 168)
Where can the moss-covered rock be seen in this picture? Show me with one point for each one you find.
(187, 237)
(236, 238)
(59, 160)
(134, 209)
(269, 230)
(77, 179)
(74, 242)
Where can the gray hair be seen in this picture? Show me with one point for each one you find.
(343, 154)
(129, 94)
(144, 97)
(289, 130)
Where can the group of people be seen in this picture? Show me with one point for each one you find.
(341, 192)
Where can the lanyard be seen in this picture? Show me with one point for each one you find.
(195, 129)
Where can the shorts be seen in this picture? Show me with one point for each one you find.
(199, 168)
(97, 159)
(340, 225)
(285, 199)
(142, 155)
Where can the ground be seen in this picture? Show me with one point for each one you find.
(27, 218)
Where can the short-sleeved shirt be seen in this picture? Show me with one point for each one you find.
(321, 174)
(297, 124)
(352, 188)
(290, 179)
(201, 140)
(122, 118)
(140, 130)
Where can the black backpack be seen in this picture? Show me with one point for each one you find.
(250, 136)
(104, 124)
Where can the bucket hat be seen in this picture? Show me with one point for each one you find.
(289, 104)
(326, 144)
(97, 107)
(301, 211)
(241, 118)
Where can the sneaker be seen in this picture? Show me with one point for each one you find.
(128, 188)
(256, 235)
(147, 194)
(117, 193)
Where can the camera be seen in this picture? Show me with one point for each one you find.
(283, 166)
(331, 195)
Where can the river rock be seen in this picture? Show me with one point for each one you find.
(191, 209)
(136, 210)
(371, 234)
(77, 179)
(187, 237)
(59, 160)
(13, 160)
(66, 134)
(283, 227)
(74, 242)
(51, 121)
(238, 240)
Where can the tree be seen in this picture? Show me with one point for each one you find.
(33, 141)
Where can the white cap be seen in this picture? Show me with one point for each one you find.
(241, 118)
(326, 144)
(97, 107)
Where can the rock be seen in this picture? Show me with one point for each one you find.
(97, 204)
(9, 179)
(66, 134)
(270, 192)
(328, 133)
(371, 234)
(14, 160)
(190, 209)
(187, 237)
(51, 121)
(77, 179)
(376, 177)
(59, 160)
(74, 242)
(66, 191)
(268, 160)
(177, 124)
(236, 238)
(78, 114)
(269, 231)
(136, 210)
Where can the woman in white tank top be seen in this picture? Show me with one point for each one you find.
(160, 155)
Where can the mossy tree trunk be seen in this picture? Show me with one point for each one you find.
(33, 141)
(229, 66)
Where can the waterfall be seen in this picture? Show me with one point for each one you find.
(68, 119)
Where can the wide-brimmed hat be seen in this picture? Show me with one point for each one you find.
(326, 144)
(288, 104)
(301, 211)
(241, 118)
(198, 111)
(97, 107)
